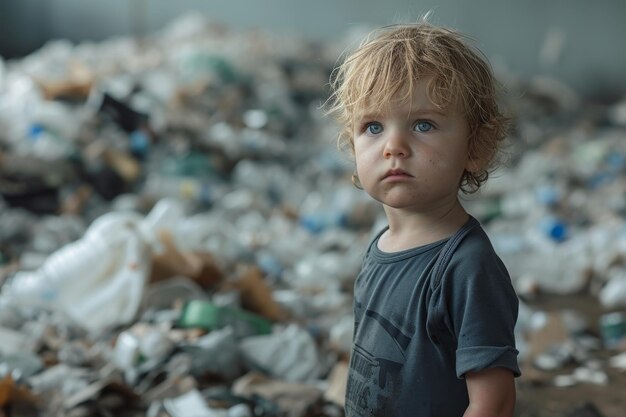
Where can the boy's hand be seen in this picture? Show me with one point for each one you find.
(491, 393)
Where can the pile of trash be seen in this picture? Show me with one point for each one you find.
(179, 235)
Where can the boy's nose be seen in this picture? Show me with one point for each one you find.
(396, 146)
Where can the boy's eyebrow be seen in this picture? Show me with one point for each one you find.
(366, 116)
(418, 112)
(430, 111)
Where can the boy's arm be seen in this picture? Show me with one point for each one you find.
(491, 393)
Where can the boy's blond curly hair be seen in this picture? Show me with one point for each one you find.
(393, 59)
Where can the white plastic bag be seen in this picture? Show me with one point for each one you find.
(98, 280)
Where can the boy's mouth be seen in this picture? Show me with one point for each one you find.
(396, 173)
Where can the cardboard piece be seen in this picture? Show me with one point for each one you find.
(256, 295)
(198, 266)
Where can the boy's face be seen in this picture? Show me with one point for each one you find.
(413, 155)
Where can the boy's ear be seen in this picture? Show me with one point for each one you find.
(479, 152)
(476, 162)
(473, 165)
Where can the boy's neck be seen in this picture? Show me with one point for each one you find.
(409, 230)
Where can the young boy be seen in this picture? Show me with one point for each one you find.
(434, 305)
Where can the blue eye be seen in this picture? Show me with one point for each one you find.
(374, 128)
(423, 126)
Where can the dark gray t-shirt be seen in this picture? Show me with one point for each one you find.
(423, 318)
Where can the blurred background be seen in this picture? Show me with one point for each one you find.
(179, 234)
(574, 40)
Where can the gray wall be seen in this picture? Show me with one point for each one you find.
(593, 33)
(23, 26)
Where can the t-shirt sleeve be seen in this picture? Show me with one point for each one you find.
(481, 308)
